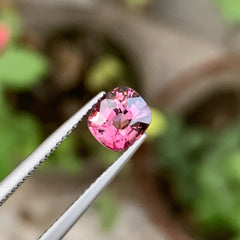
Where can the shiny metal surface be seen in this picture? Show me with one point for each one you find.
(11, 183)
(59, 229)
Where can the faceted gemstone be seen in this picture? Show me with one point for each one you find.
(119, 118)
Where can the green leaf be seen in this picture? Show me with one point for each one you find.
(20, 135)
(231, 166)
(65, 158)
(230, 10)
(27, 133)
(106, 72)
(21, 68)
(203, 171)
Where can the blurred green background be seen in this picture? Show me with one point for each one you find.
(182, 57)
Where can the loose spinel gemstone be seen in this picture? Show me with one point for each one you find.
(119, 118)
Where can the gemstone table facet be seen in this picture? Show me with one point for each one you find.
(119, 118)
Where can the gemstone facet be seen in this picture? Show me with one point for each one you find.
(119, 118)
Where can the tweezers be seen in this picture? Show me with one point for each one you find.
(14, 180)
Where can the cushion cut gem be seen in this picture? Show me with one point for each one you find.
(119, 118)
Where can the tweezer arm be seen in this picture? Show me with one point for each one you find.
(11, 183)
(59, 229)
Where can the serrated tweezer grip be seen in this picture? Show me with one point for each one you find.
(59, 229)
(11, 183)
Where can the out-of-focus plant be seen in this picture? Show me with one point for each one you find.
(66, 158)
(4, 36)
(137, 3)
(230, 10)
(180, 150)
(203, 169)
(107, 208)
(20, 68)
(20, 134)
(157, 126)
(106, 73)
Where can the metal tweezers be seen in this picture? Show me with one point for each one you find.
(11, 183)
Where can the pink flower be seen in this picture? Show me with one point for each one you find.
(5, 35)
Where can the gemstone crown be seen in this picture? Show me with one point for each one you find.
(119, 118)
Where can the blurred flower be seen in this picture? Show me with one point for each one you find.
(9, 18)
(5, 36)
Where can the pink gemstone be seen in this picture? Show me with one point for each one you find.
(119, 118)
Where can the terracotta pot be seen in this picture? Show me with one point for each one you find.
(180, 95)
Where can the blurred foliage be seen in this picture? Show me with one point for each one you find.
(106, 206)
(19, 67)
(107, 72)
(157, 126)
(230, 10)
(10, 18)
(107, 157)
(4, 36)
(66, 157)
(203, 169)
(20, 134)
(137, 3)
